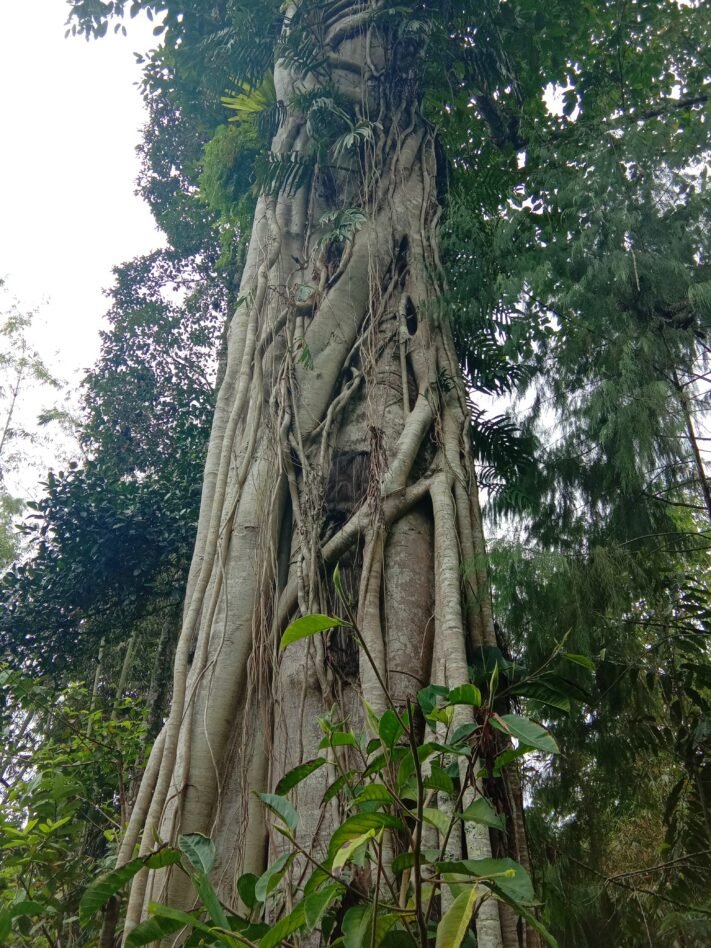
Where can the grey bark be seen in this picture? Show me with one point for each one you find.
(358, 454)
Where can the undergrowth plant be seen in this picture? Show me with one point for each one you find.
(67, 767)
(410, 781)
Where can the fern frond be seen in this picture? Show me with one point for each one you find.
(282, 174)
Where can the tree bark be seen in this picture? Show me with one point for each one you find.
(341, 435)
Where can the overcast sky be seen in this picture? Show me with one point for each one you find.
(71, 116)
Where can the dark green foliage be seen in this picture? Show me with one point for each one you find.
(66, 766)
(113, 535)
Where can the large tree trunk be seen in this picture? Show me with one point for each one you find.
(341, 435)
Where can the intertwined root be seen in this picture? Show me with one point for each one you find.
(341, 434)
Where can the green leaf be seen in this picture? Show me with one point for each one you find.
(246, 885)
(316, 905)
(210, 900)
(508, 756)
(355, 925)
(380, 761)
(357, 825)
(295, 776)
(463, 732)
(481, 811)
(390, 729)
(375, 793)
(199, 849)
(465, 694)
(439, 779)
(184, 918)
(316, 880)
(98, 893)
(339, 739)
(511, 878)
(436, 818)
(346, 851)
(281, 808)
(455, 922)
(526, 731)
(283, 928)
(152, 930)
(307, 626)
(538, 691)
(402, 862)
(30, 907)
(581, 660)
(427, 697)
(269, 879)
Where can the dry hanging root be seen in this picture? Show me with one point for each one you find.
(358, 454)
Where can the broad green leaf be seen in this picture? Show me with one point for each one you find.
(463, 732)
(398, 938)
(307, 626)
(316, 905)
(427, 697)
(465, 694)
(152, 930)
(539, 691)
(526, 731)
(30, 907)
(455, 922)
(357, 825)
(508, 756)
(439, 779)
(375, 793)
(581, 660)
(441, 715)
(283, 928)
(402, 862)
(390, 729)
(175, 915)
(246, 889)
(437, 818)
(269, 879)
(355, 925)
(481, 811)
(407, 860)
(339, 739)
(281, 808)
(295, 776)
(346, 851)
(98, 893)
(317, 878)
(380, 761)
(383, 924)
(509, 876)
(199, 849)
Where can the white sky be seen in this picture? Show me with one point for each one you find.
(70, 120)
(70, 116)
